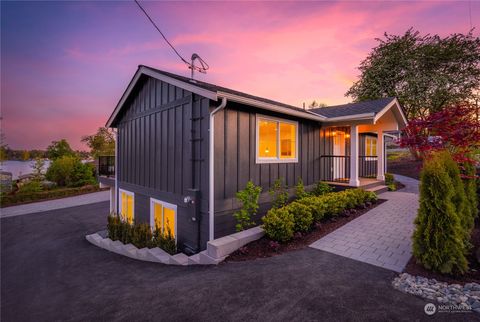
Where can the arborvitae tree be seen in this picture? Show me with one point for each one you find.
(470, 182)
(459, 199)
(438, 240)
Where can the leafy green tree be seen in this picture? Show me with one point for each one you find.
(249, 199)
(59, 149)
(70, 171)
(425, 73)
(101, 143)
(3, 147)
(438, 239)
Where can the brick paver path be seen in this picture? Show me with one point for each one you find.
(382, 236)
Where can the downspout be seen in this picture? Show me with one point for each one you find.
(115, 202)
(211, 191)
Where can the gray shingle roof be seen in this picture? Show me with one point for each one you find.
(216, 88)
(373, 106)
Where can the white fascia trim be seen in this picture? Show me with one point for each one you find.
(173, 81)
(364, 116)
(272, 107)
(388, 107)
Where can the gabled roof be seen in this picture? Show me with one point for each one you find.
(210, 91)
(374, 106)
(371, 110)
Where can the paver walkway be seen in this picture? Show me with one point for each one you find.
(55, 204)
(382, 236)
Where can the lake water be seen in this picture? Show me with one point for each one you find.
(18, 168)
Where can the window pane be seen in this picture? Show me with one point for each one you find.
(157, 216)
(374, 147)
(169, 221)
(267, 139)
(129, 212)
(287, 140)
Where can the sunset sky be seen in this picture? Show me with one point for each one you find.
(64, 65)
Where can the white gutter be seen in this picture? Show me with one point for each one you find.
(211, 190)
(115, 205)
(351, 117)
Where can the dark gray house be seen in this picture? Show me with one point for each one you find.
(185, 147)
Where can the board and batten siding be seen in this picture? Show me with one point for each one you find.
(163, 151)
(235, 160)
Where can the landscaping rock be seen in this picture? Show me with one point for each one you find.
(466, 296)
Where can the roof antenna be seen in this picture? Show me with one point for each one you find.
(201, 69)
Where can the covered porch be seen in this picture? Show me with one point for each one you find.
(355, 151)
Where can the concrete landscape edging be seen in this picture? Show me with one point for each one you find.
(216, 252)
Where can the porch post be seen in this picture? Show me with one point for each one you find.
(380, 156)
(354, 182)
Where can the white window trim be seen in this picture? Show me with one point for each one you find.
(164, 204)
(370, 157)
(260, 160)
(120, 206)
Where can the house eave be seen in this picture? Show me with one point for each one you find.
(271, 107)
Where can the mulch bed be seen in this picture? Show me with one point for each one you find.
(399, 185)
(261, 248)
(473, 275)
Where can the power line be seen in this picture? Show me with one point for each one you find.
(161, 33)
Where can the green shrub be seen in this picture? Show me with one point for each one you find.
(300, 189)
(140, 235)
(321, 188)
(316, 206)
(279, 224)
(71, 172)
(249, 199)
(438, 239)
(389, 179)
(30, 187)
(278, 193)
(165, 241)
(470, 184)
(302, 216)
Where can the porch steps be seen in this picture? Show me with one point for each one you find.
(373, 184)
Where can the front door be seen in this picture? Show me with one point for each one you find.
(339, 155)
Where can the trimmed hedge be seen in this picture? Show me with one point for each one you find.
(140, 235)
(299, 216)
(26, 197)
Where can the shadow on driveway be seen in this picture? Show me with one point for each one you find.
(50, 272)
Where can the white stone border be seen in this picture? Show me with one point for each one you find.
(216, 252)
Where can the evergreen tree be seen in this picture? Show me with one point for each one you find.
(459, 199)
(438, 240)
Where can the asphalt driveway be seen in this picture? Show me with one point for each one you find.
(49, 272)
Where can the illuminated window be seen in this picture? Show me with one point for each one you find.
(276, 140)
(126, 206)
(163, 216)
(370, 146)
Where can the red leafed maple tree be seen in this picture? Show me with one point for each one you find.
(455, 128)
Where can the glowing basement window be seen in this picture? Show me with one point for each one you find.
(163, 216)
(276, 140)
(127, 206)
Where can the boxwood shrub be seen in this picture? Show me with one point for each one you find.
(302, 216)
(281, 224)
